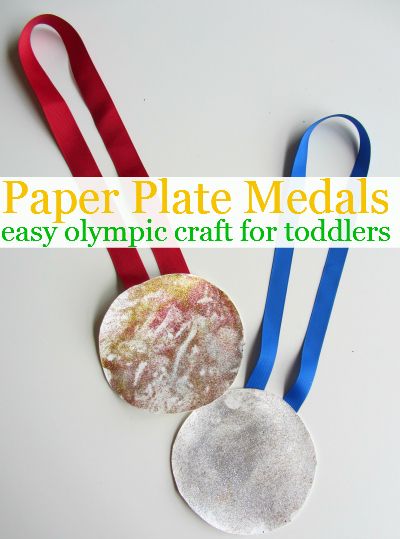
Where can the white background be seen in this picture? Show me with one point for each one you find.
(217, 88)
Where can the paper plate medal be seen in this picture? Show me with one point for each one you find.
(246, 462)
(168, 344)
(171, 344)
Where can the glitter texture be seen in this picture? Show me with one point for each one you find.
(171, 344)
(245, 463)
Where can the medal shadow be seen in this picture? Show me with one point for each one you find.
(103, 305)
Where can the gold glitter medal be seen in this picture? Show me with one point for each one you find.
(171, 344)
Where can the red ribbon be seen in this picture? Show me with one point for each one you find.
(127, 262)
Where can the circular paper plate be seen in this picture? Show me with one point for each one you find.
(245, 463)
(171, 344)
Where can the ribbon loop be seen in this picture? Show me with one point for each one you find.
(325, 297)
(71, 142)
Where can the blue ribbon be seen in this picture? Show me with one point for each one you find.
(326, 293)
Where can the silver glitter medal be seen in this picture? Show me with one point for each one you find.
(171, 344)
(246, 463)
